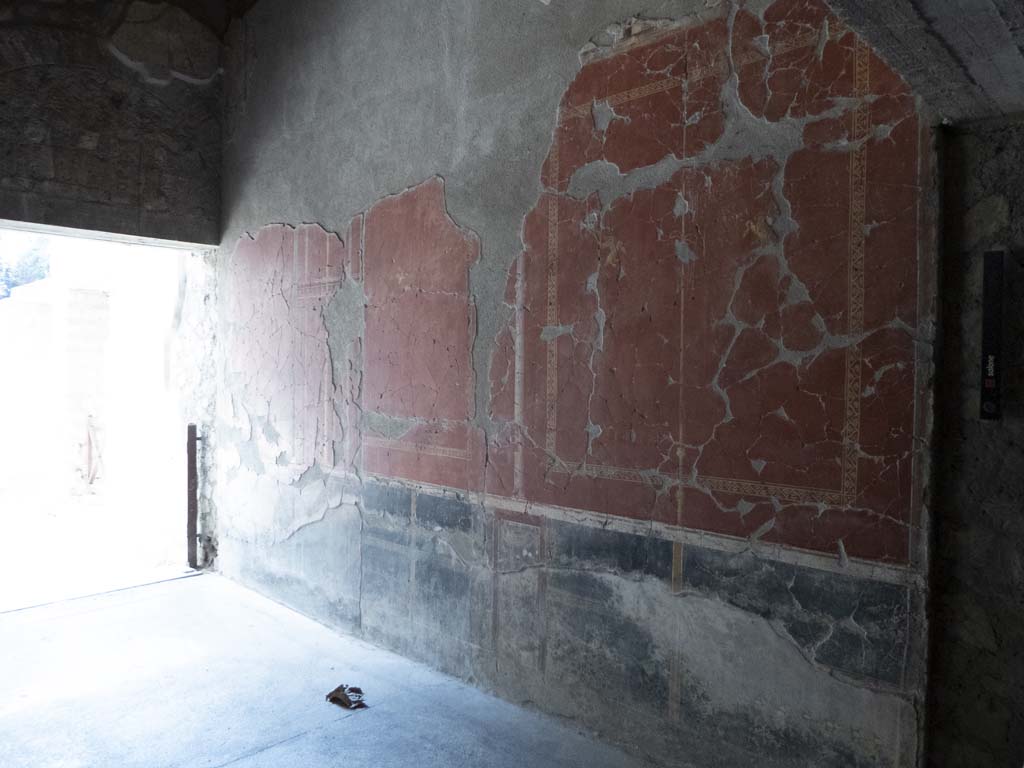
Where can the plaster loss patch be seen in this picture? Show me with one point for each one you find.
(387, 391)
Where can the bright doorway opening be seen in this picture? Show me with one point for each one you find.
(92, 432)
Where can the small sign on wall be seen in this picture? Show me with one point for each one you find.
(992, 336)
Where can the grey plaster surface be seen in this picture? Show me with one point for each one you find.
(201, 672)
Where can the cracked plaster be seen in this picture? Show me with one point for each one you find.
(707, 213)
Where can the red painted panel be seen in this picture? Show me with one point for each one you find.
(276, 288)
(729, 350)
(419, 321)
(411, 368)
(420, 327)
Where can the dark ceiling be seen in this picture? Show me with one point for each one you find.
(103, 16)
(965, 58)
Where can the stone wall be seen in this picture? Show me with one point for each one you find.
(965, 60)
(602, 380)
(111, 119)
(977, 680)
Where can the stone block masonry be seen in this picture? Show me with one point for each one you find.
(111, 119)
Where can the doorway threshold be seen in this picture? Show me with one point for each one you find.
(25, 591)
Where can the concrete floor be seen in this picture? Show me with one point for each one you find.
(201, 672)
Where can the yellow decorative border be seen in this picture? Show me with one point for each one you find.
(551, 383)
(419, 448)
(855, 312)
(794, 493)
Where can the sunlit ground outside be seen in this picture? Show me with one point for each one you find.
(92, 444)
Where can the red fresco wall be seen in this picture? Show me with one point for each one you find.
(757, 380)
(730, 350)
(408, 361)
(420, 327)
(280, 283)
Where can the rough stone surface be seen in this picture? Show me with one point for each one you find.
(597, 382)
(977, 678)
(90, 16)
(103, 16)
(162, 42)
(119, 134)
(965, 58)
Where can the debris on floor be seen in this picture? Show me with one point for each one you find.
(347, 696)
